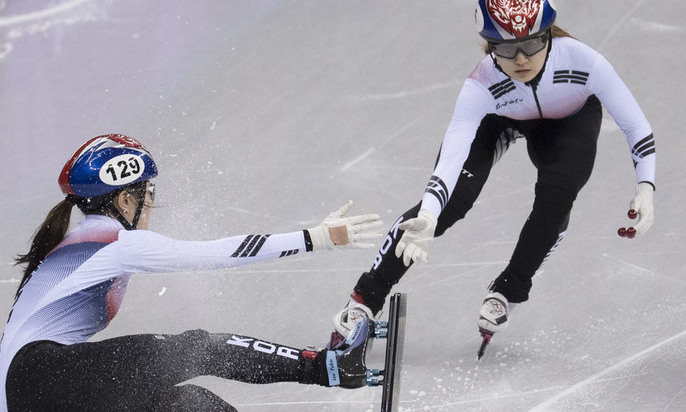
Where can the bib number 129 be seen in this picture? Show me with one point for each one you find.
(122, 169)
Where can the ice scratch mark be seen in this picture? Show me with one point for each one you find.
(162, 291)
(619, 24)
(631, 265)
(341, 402)
(444, 406)
(5, 49)
(602, 373)
(407, 93)
(12, 280)
(671, 401)
(658, 27)
(357, 159)
(371, 150)
(637, 268)
(36, 15)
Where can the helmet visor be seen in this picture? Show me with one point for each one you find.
(528, 47)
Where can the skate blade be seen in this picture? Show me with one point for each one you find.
(486, 335)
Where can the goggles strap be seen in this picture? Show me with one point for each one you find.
(134, 222)
(139, 209)
(120, 217)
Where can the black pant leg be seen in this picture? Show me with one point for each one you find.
(564, 153)
(137, 372)
(191, 398)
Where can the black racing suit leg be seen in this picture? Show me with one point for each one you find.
(141, 372)
(492, 139)
(563, 152)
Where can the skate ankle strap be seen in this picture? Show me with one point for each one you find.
(332, 368)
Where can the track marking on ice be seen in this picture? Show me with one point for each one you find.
(612, 368)
(49, 11)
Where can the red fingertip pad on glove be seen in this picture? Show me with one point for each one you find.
(628, 233)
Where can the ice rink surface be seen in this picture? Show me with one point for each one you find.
(264, 116)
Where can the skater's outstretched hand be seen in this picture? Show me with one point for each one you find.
(419, 233)
(641, 207)
(340, 232)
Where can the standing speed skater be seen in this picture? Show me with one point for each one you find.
(539, 84)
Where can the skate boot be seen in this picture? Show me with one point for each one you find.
(343, 365)
(494, 317)
(495, 313)
(345, 320)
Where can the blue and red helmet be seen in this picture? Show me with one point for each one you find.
(507, 20)
(104, 164)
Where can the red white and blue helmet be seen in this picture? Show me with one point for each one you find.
(104, 164)
(506, 20)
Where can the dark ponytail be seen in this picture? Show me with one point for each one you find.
(55, 226)
(49, 235)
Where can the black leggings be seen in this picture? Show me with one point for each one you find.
(563, 152)
(140, 372)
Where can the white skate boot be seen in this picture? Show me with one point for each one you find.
(495, 313)
(344, 321)
(494, 317)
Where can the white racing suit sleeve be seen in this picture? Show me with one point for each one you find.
(142, 250)
(473, 103)
(623, 107)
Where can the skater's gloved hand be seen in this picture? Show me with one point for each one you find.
(338, 232)
(419, 232)
(641, 207)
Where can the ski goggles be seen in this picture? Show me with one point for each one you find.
(528, 47)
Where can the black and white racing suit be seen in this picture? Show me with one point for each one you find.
(559, 115)
(46, 362)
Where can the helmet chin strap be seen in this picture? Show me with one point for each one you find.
(134, 222)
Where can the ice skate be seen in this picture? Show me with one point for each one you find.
(345, 363)
(494, 317)
(345, 320)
